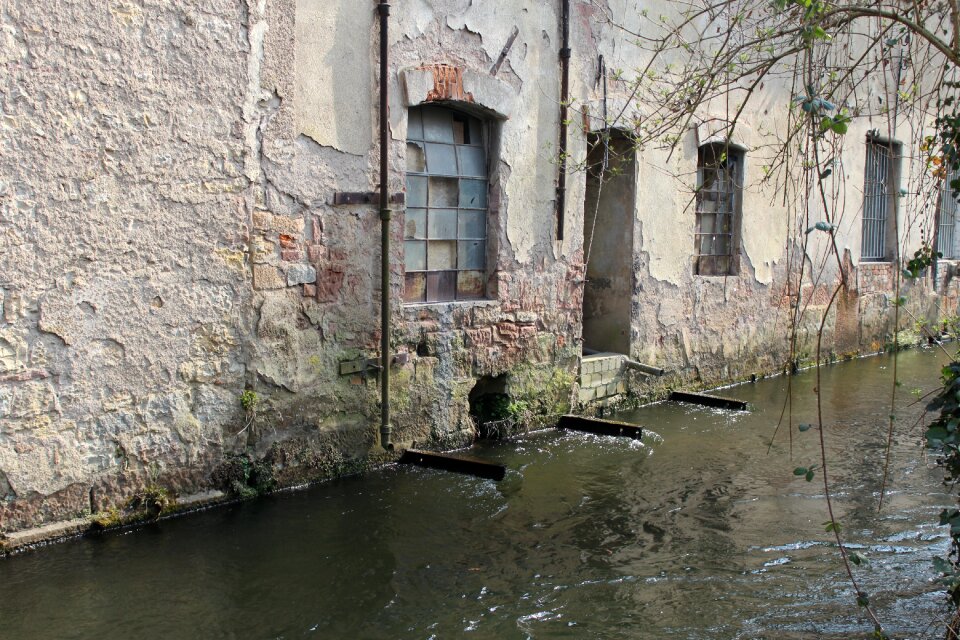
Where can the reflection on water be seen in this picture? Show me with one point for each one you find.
(697, 533)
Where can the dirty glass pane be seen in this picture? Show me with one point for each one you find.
(416, 161)
(473, 225)
(443, 192)
(415, 224)
(441, 160)
(470, 285)
(442, 224)
(443, 255)
(414, 125)
(416, 191)
(414, 255)
(473, 194)
(471, 254)
(437, 125)
(415, 287)
(473, 161)
(441, 286)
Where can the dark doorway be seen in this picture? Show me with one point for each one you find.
(608, 241)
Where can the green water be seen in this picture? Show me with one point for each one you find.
(697, 533)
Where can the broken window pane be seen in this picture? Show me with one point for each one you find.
(416, 161)
(718, 194)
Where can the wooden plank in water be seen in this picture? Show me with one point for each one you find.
(600, 427)
(709, 401)
(457, 464)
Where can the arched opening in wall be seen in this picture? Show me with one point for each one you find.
(608, 238)
(490, 408)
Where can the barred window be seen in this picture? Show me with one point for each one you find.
(719, 191)
(880, 176)
(946, 240)
(445, 228)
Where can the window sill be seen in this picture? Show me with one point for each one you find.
(459, 303)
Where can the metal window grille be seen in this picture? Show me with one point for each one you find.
(718, 201)
(946, 241)
(876, 201)
(445, 226)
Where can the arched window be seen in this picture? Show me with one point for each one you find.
(445, 228)
(719, 191)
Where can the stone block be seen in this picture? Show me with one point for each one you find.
(262, 220)
(290, 255)
(262, 250)
(587, 395)
(309, 291)
(301, 274)
(287, 225)
(267, 277)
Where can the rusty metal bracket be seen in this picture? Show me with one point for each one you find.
(364, 197)
(365, 366)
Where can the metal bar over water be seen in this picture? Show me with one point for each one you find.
(600, 427)
(708, 401)
(457, 464)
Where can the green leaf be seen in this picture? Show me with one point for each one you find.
(802, 471)
(857, 559)
(831, 525)
(863, 600)
(809, 475)
(839, 128)
(804, 427)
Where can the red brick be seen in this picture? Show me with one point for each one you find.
(291, 255)
(329, 284)
(317, 253)
(309, 291)
(288, 241)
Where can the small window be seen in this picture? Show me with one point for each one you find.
(719, 191)
(882, 164)
(946, 238)
(445, 229)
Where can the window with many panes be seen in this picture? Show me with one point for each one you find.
(719, 190)
(946, 238)
(445, 227)
(879, 176)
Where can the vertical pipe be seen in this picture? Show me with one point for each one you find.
(385, 428)
(564, 100)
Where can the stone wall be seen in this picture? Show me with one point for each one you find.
(180, 291)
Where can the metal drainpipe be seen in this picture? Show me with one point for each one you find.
(564, 99)
(385, 428)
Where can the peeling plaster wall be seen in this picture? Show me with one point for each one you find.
(122, 248)
(168, 239)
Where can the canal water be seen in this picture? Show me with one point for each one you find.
(698, 532)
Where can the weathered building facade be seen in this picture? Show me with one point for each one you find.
(190, 241)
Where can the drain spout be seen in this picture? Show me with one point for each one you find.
(386, 430)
